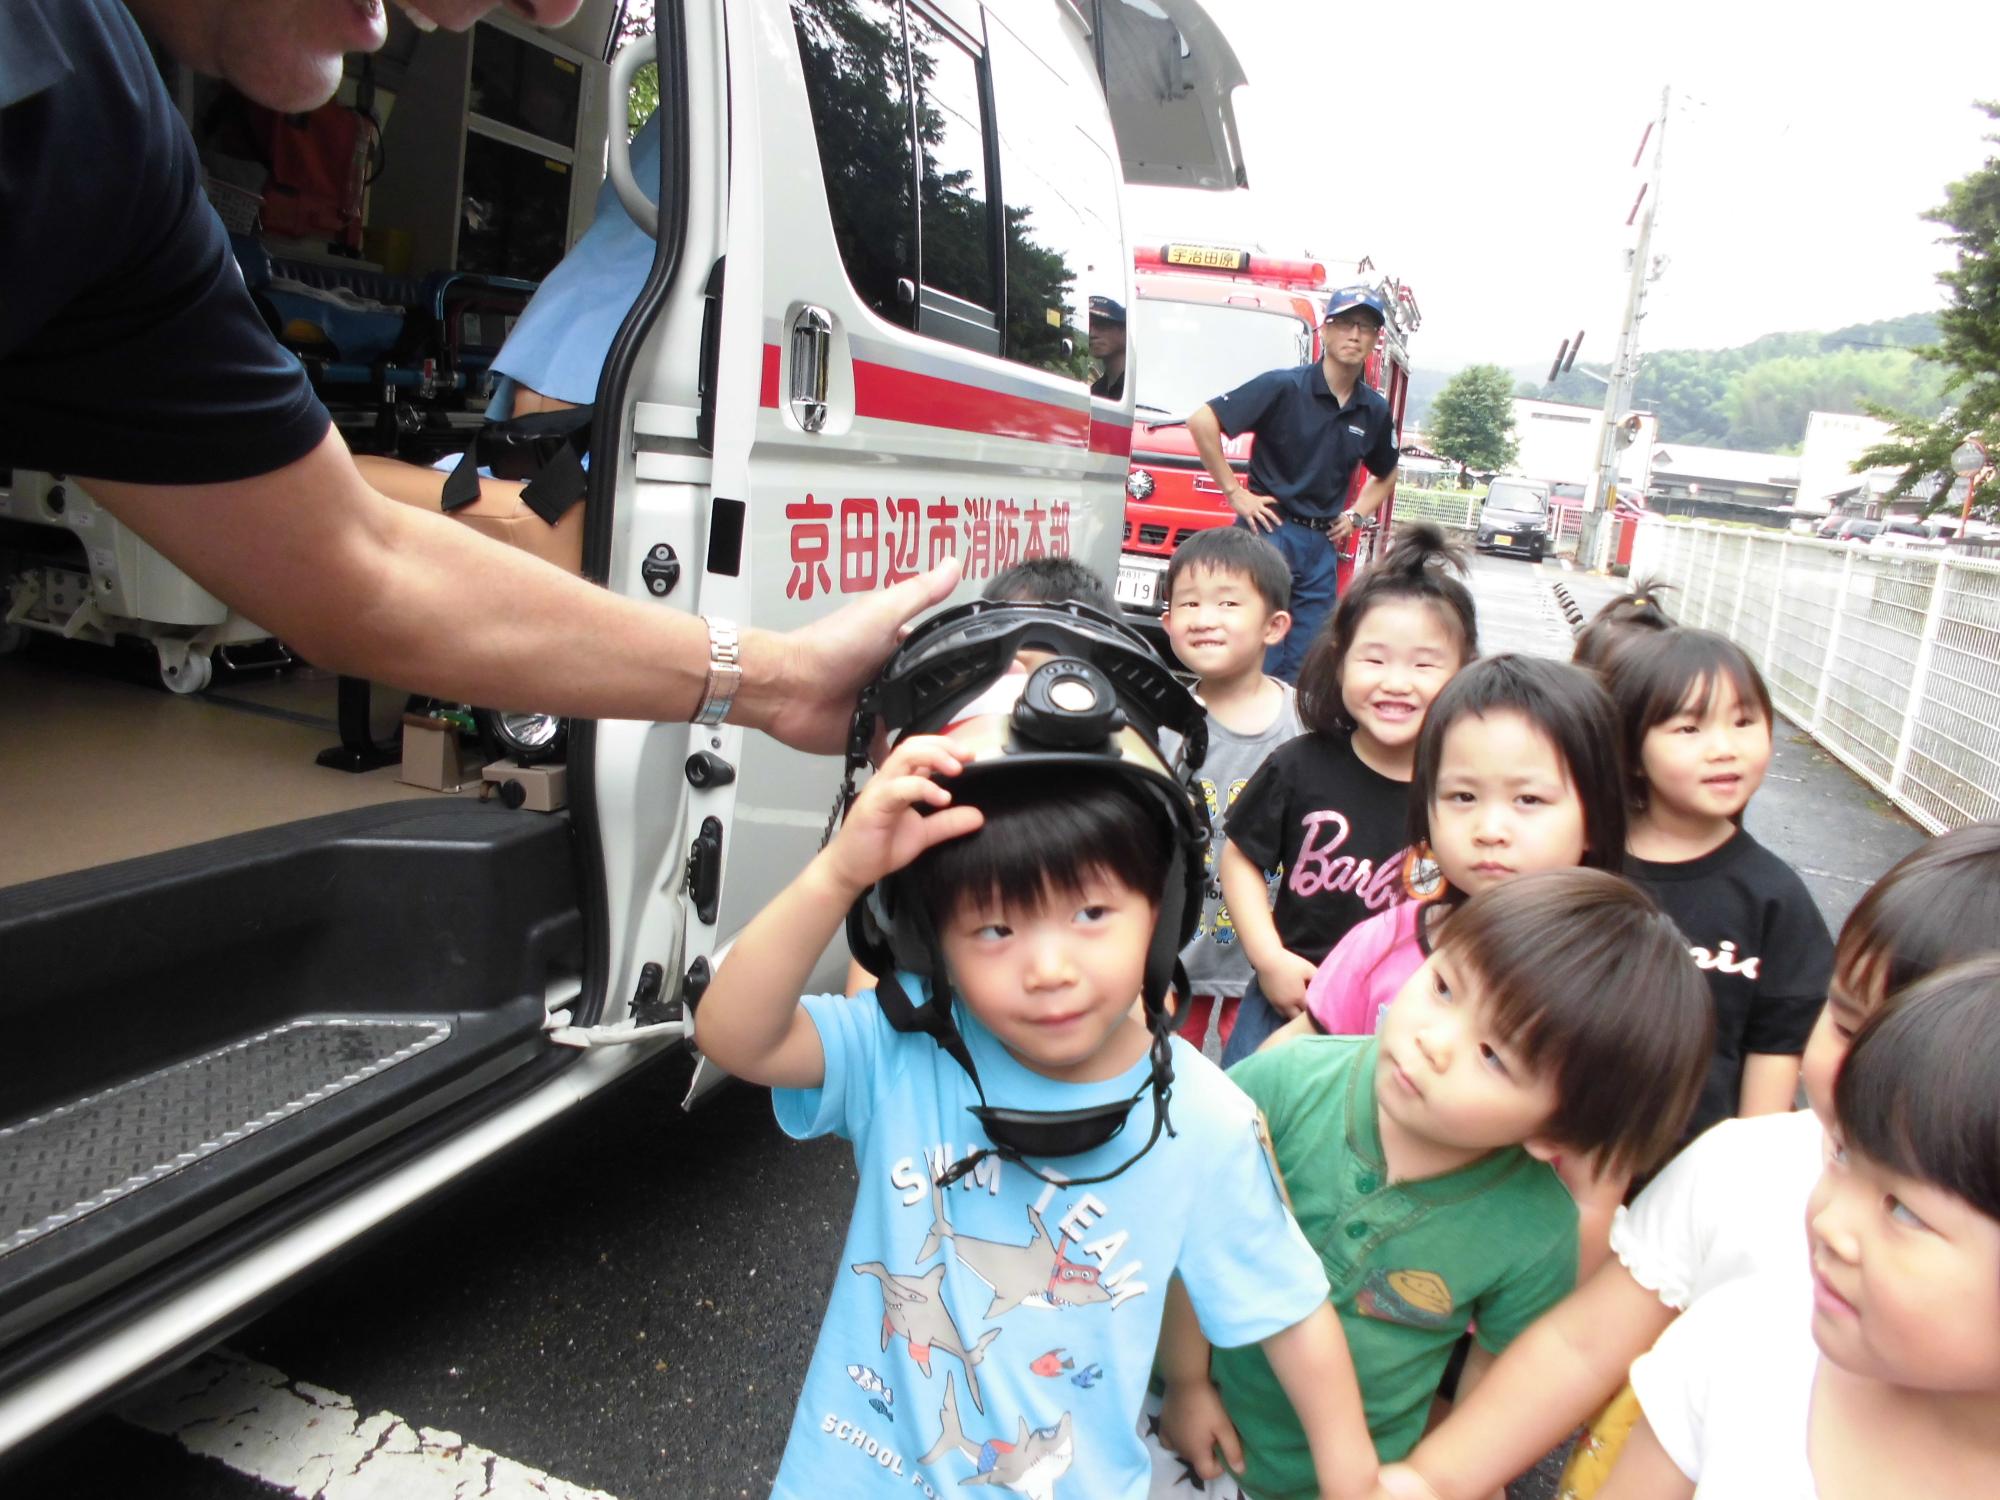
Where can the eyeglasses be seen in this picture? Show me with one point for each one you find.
(1348, 322)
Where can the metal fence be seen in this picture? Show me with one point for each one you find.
(1891, 660)
(1453, 509)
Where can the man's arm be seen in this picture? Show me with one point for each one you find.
(1261, 511)
(1311, 1362)
(361, 584)
(1548, 1381)
(1770, 1083)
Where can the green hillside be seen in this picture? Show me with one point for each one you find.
(1757, 395)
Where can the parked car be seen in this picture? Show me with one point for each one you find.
(1856, 529)
(1515, 518)
(1900, 534)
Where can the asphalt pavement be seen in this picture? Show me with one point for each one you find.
(626, 1305)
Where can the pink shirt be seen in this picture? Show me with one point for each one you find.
(1362, 974)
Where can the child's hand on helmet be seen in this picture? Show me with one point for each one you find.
(886, 827)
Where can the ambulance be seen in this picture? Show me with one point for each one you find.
(1204, 319)
(257, 1007)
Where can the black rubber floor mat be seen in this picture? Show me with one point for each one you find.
(58, 1166)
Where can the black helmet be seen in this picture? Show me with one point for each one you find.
(1100, 702)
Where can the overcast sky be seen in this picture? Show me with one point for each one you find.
(1484, 156)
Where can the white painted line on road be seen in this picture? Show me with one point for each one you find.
(1832, 875)
(314, 1443)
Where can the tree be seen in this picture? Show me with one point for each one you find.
(1968, 346)
(1472, 420)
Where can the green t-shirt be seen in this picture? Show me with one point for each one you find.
(1412, 1264)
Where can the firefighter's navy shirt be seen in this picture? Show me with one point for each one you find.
(129, 348)
(1308, 442)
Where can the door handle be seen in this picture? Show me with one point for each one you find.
(812, 344)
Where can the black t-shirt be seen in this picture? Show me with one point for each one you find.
(1336, 830)
(1307, 441)
(1763, 947)
(129, 348)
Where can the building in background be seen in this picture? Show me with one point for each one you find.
(1827, 481)
(1686, 477)
(1559, 444)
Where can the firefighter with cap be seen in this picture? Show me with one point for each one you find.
(1107, 346)
(1313, 424)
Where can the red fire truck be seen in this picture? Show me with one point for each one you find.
(1204, 319)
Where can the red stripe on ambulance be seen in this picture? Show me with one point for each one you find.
(886, 393)
(1110, 437)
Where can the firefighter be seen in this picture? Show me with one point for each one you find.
(1313, 424)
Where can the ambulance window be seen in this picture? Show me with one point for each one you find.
(956, 232)
(857, 84)
(1061, 196)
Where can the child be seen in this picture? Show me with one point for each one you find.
(1628, 617)
(1697, 724)
(1227, 589)
(1414, 1158)
(1727, 1207)
(1026, 879)
(1517, 771)
(1051, 578)
(1890, 1384)
(1331, 808)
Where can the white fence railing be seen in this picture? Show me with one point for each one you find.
(1453, 509)
(1891, 660)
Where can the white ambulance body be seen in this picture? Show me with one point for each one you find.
(862, 349)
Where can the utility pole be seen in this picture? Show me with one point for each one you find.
(1625, 363)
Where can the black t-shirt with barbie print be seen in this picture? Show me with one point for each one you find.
(1336, 829)
(1763, 947)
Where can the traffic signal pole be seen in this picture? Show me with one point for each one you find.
(1596, 545)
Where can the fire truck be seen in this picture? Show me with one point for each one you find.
(1204, 319)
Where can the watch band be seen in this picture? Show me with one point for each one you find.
(725, 672)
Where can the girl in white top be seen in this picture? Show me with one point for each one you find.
(1884, 1378)
(1728, 1206)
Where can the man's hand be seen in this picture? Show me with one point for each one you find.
(1194, 1424)
(800, 687)
(1284, 982)
(1341, 528)
(1261, 511)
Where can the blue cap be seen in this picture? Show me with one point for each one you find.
(1107, 310)
(1359, 295)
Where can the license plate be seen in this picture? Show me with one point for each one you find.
(1505, 539)
(1136, 586)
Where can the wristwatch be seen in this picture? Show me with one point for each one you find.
(725, 672)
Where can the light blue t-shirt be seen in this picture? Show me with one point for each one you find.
(560, 342)
(1003, 1328)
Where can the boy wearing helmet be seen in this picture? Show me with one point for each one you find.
(1021, 868)
(1313, 423)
